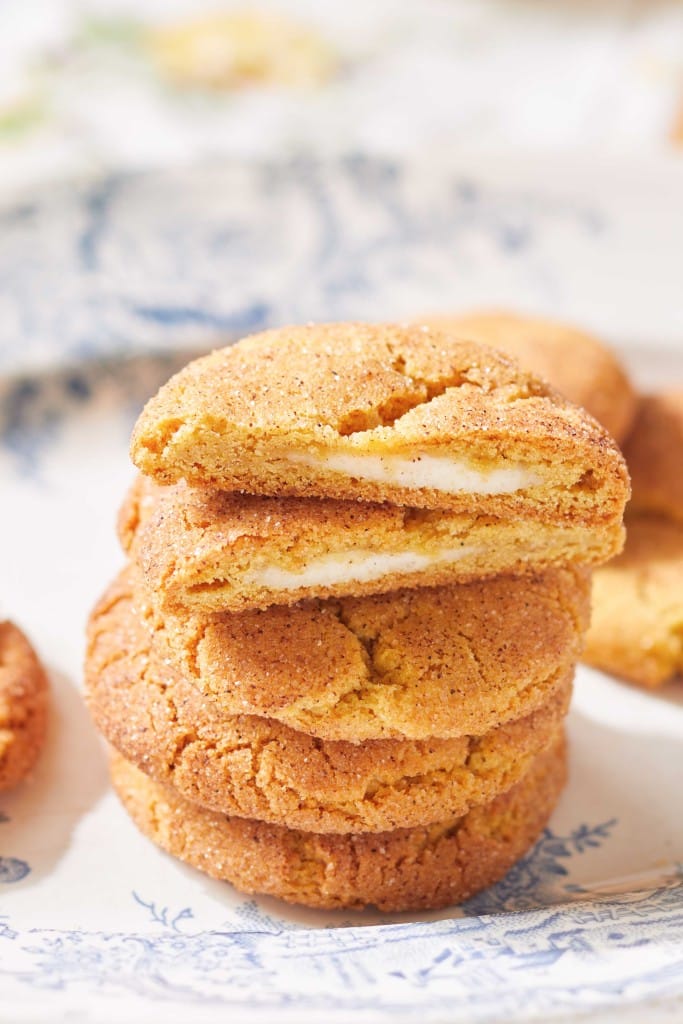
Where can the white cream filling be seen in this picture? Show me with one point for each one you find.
(356, 566)
(438, 472)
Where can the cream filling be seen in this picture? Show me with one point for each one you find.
(437, 472)
(357, 566)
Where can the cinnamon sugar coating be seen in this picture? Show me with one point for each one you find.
(637, 627)
(204, 551)
(415, 664)
(258, 768)
(405, 869)
(266, 415)
(23, 706)
(654, 452)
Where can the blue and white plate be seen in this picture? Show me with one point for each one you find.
(105, 289)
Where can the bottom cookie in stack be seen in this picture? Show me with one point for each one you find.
(405, 869)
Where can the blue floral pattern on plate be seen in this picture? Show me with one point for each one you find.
(249, 246)
(542, 962)
(126, 283)
(11, 868)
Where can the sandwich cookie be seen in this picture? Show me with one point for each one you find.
(404, 869)
(208, 551)
(257, 768)
(401, 414)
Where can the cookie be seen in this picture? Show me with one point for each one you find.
(654, 452)
(257, 768)
(405, 869)
(381, 413)
(638, 605)
(23, 706)
(209, 551)
(578, 364)
(444, 661)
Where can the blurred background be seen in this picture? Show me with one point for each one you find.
(90, 85)
(180, 172)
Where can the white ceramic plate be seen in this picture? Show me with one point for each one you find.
(96, 923)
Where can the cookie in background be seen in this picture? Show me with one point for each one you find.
(636, 631)
(582, 367)
(637, 628)
(23, 706)
(654, 454)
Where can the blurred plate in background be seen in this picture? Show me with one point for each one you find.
(148, 262)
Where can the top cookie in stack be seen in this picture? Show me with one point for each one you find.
(358, 459)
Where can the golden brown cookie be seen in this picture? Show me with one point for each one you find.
(205, 551)
(406, 869)
(257, 768)
(380, 413)
(578, 364)
(654, 452)
(446, 661)
(23, 706)
(637, 626)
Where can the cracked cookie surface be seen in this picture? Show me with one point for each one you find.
(257, 768)
(206, 551)
(405, 869)
(578, 364)
(23, 705)
(443, 661)
(402, 414)
(637, 626)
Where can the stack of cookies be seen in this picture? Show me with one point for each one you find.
(336, 666)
